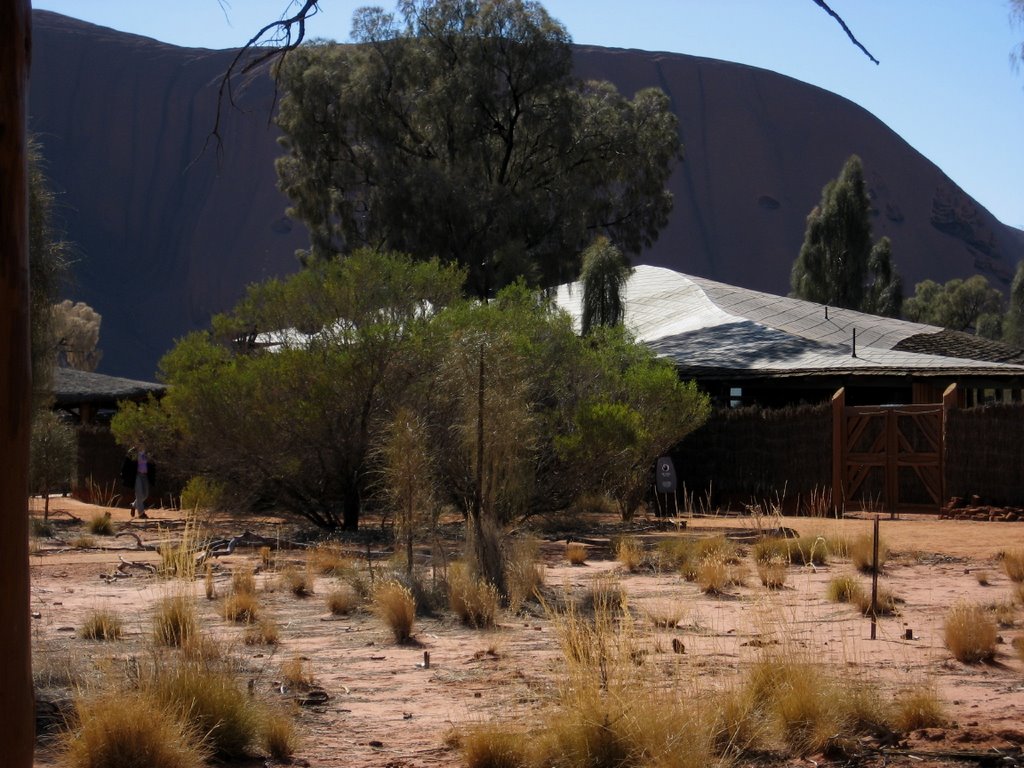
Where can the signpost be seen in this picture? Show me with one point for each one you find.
(665, 481)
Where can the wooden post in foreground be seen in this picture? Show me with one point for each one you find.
(17, 711)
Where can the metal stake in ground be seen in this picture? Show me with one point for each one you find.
(874, 581)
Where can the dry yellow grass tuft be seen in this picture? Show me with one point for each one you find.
(241, 607)
(342, 600)
(862, 553)
(102, 625)
(970, 633)
(174, 622)
(919, 707)
(576, 552)
(845, 589)
(262, 632)
(472, 599)
(712, 575)
(295, 675)
(524, 572)
(129, 729)
(328, 559)
(629, 551)
(210, 700)
(1013, 565)
(278, 735)
(773, 572)
(298, 582)
(394, 604)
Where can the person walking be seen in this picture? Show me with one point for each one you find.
(138, 472)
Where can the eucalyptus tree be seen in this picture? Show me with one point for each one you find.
(604, 275)
(455, 129)
(837, 264)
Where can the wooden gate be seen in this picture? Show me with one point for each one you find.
(889, 457)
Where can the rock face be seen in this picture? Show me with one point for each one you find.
(166, 234)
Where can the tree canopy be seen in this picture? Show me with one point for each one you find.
(455, 129)
(604, 276)
(366, 356)
(837, 264)
(962, 305)
(47, 255)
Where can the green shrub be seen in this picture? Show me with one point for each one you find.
(203, 494)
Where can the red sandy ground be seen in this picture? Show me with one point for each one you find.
(386, 709)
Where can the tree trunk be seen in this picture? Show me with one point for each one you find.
(17, 729)
(350, 506)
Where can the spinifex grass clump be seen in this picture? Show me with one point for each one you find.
(394, 604)
(328, 559)
(1013, 565)
(210, 700)
(807, 708)
(524, 572)
(100, 524)
(712, 575)
(886, 603)
(717, 548)
(773, 571)
(610, 712)
(918, 707)
(808, 550)
(342, 600)
(576, 552)
(629, 551)
(102, 625)
(862, 553)
(970, 633)
(604, 595)
(845, 589)
(771, 549)
(665, 614)
(174, 622)
(1005, 613)
(130, 729)
(263, 632)
(677, 554)
(471, 598)
(278, 735)
(179, 559)
(298, 582)
(296, 675)
(241, 607)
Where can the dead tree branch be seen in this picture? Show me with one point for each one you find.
(824, 6)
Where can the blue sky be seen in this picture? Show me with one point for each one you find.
(945, 82)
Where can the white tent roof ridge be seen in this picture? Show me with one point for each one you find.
(704, 325)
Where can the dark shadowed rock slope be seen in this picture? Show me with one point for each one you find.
(166, 235)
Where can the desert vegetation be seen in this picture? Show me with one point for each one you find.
(633, 648)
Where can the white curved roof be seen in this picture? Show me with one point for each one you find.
(705, 326)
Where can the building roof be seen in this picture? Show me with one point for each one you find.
(710, 328)
(72, 387)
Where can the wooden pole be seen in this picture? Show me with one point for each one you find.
(17, 715)
(874, 581)
(839, 449)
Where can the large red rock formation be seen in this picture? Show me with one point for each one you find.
(166, 234)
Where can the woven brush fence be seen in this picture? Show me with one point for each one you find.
(985, 454)
(758, 453)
